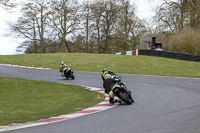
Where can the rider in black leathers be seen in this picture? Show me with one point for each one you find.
(109, 81)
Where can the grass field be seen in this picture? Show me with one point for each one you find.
(144, 65)
(26, 100)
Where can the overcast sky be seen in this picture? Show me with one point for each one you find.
(8, 44)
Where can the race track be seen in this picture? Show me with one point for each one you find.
(162, 104)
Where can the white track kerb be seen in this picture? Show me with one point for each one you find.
(94, 109)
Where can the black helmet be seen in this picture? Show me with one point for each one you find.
(62, 62)
(104, 69)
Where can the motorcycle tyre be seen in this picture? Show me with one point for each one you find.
(124, 98)
(73, 77)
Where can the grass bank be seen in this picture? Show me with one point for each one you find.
(27, 100)
(144, 65)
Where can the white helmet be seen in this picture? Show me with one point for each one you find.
(62, 62)
(104, 69)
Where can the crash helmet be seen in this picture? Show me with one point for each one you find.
(62, 63)
(104, 69)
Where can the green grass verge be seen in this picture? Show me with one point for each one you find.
(145, 65)
(27, 100)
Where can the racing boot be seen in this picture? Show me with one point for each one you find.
(111, 100)
(111, 97)
(118, 101)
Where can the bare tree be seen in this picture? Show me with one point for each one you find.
(109, 20)
(194, 13)
(88, 21)
(42, 13)
(172, 16)
(33, 24)
(7, 4)
(86, 17)
(97, 10)
(126, 25)
(65, 19)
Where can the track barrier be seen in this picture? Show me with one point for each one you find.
(162, 53)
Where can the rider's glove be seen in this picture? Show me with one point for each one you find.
(118, 79)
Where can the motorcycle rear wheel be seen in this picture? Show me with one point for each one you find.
(124, 98)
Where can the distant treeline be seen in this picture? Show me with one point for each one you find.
(105, 26)
(70, 26)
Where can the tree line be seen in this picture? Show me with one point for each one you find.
(70, 26)
(104, 26)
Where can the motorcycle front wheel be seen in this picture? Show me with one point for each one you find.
(73, 77)
(124, 98)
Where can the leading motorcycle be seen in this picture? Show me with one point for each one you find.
(68, 73)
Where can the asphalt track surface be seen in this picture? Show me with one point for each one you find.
(162, 104)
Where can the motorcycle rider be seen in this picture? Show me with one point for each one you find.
(63, 67)
(105, 71)
(108, 82)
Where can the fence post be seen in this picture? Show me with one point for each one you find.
(136, 52)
